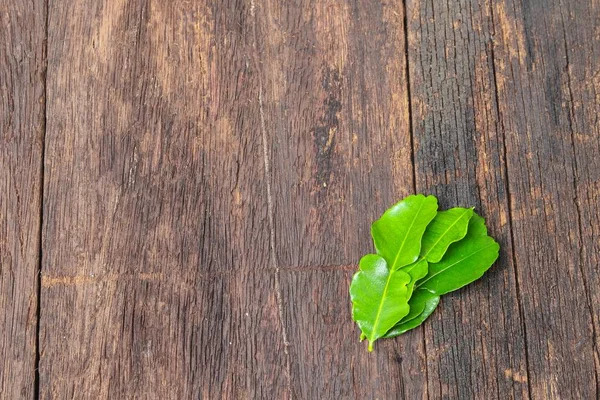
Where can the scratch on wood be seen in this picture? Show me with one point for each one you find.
(320, 268)
(267, 165)
(272, 236)
(78, 280)
(273, 256)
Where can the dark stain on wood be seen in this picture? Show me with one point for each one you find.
(325, 133)
(189, 186)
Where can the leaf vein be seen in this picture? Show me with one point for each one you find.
(407, 234)
(451, 265)
(444, 234)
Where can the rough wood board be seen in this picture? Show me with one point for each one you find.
(474, 341)
(155, 272)
(22, 68)
(337, 121)
(211, 173)
(547, 73)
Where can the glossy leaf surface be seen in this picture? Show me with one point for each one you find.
(464, 262)
(421, 255)
(397, 234)
(416, 270)
(379, 297)
(446, 228)
(422, 304)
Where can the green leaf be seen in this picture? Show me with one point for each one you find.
(416, 270)
(379, 297)
(446, 228)
(464, 262)
(421, 255)
(422, 304)
(397, 234)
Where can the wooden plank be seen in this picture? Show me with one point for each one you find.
(22, 102)
(547, 63)
(156, 280)
(337, 128)
(583, 86)
(475, 340)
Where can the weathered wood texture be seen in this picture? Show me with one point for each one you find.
(336, 106)
(547, 70)
(22, 68)
(155, 270)
(475, 341)
(211, 171)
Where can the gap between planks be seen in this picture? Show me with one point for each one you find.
(39, 278)
(509, 201)
(411, 131)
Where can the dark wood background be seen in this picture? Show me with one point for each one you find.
(186, 188)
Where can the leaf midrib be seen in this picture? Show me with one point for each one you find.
(444, 234)
(451, 265)
(392, 270)
(407, 234)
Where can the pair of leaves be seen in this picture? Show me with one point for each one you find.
(421, 255)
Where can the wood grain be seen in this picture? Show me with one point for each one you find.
(156, 281)
(22, 97)
(547, 73)
(475, 340)
(337, 124)
(205, 175)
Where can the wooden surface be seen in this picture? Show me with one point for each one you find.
(22, 110)
(186, 188)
